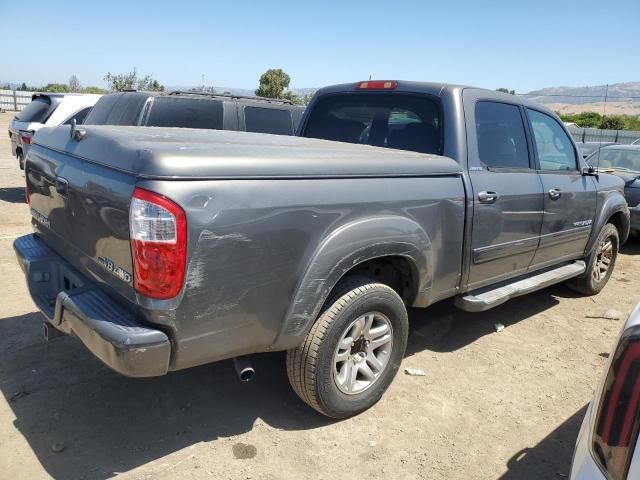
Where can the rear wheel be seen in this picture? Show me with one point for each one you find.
(601, 263)
(21, 160)
(353, 350)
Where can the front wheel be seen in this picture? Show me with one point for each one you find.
(601, 263)
(352, 352)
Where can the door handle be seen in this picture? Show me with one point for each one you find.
(555, 193)
(487, 197)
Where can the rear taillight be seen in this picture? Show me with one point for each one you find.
(618, 418)
(26, 136)
(158, 244)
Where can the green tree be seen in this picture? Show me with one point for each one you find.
(274, 83)
(506, 90)
(612, 122)
(150, 85)
(23, 87)
(57, 87)
(74, 84)
(93, 90)
(583, 119)
(305, 99)
(131, 81)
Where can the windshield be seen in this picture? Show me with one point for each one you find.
(405, 122)
(623, 160)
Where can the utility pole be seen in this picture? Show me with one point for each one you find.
(203, 82)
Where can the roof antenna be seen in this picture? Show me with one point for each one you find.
(604, 114)
(369, 76)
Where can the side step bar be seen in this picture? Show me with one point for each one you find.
(489, 297)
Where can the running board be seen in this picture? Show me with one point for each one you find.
(489, 297)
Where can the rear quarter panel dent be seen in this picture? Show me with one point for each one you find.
(251, 242)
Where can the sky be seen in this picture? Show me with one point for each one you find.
(518, 45)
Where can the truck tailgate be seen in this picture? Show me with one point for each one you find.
(81, 210)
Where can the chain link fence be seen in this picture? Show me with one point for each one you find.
(597, 135)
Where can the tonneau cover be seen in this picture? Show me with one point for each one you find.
(178, 153)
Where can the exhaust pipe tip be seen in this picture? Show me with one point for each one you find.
(244, 369)
(246, 374)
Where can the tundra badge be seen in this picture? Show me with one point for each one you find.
(119, 272)
(40, 217)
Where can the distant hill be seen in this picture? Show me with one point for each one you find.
(618, 92)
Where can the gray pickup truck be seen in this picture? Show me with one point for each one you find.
(161, 248)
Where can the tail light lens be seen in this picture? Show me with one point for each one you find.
(618, 418)
(158, 244)
(26, 135)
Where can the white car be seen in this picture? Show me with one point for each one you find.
(46, 110)
(607, 446)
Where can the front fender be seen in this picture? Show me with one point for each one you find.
(343, 249)
(612, 202)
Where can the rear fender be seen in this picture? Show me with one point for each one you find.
(344, 249)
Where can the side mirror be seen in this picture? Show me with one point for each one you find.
(589, 171)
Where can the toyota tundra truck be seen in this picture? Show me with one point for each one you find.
(164, 248)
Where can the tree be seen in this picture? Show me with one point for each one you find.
(23, 87)
(131, 81)
(583, 119)
(274, 83)
(305, 99)
(506, 90)
(612, 122)
(150, 85)
(93, 90)
(57, 87)
(74, 84)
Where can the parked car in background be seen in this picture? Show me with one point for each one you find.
(623, 161)
(46, 110)
(587, 148)
(636, 142)
(165, 248)
(607, 447)
(197, 110)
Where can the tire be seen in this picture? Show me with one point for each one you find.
(596, 277)
(362, 317)
(21, 160)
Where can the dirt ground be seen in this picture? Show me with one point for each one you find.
(504, 405)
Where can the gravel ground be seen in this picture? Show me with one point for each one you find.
(493, 405)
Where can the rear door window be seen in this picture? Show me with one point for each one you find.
(186, 113)
(268, 120)
(501, 139)
(404, 122)
(36, 111)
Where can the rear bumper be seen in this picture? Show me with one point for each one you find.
(74, 305)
